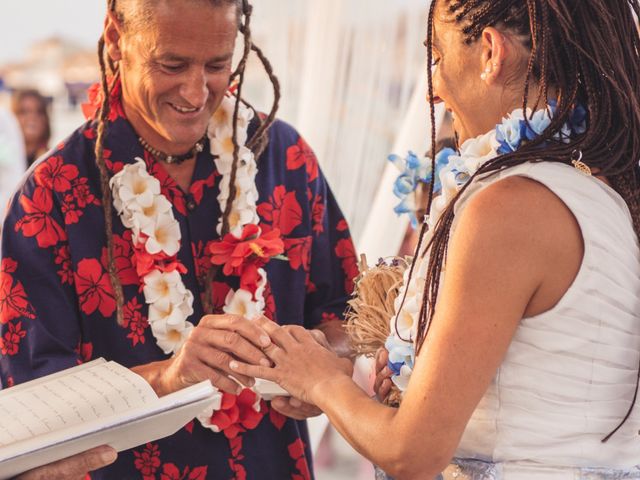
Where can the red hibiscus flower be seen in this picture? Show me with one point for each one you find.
(13, 298)
(329, 317)
(84, 351)
(123, 258)
(54, 175)
(317, 215)
(237, 414)
(94, 288)
(346, 251)
(168, 186)
(342, 226)
(63, 258)
(296, 452)
(237, 254)
(135, 322)
(197, 187)
(282, 210)
(37, 222)
(277, 418)
(269, 303)
(10, 342)
(94, 93)
(298, 251)
(301, 154)
(148, 461)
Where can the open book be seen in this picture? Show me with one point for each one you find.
(97, 403)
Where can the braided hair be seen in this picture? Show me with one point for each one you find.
(257, 143)
(588, 53)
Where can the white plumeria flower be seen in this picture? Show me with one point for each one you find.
(133, 184)
(164, 286)
(166, 312)
(171, 339)
(164, 236)
(143, 219)
(241, 303)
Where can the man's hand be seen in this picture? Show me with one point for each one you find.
(73, 468)
(382, 383)
(216, 341)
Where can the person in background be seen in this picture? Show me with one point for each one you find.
(32, 111)
(12, 158)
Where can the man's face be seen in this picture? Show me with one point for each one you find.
(176, 71)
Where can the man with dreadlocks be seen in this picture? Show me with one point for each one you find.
(158, 230)
(516, 339)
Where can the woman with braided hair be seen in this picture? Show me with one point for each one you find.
(516, 339)
(158, 230)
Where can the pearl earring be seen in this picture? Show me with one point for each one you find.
(483, 76)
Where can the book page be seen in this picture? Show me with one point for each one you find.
(82, 396)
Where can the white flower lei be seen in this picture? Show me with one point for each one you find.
(148, 213)
(506, 137)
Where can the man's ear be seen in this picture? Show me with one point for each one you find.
(494, 54)
(112, 36)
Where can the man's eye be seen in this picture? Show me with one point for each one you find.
(172, 68)
(216, 67)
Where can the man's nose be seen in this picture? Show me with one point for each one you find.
(194, 89)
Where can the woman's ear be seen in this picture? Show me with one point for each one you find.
(112, 36)
(494, 54)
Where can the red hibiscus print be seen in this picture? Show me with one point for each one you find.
(82, 194)
(94, 288)
(282, 210)
(168, 186)
(63, 259)
(84, 351)
(135, 322)
(54, 175)
(317, 215)
(123, 258)
(269, 303)
(296, 452)
(70, 210)
(342, 226)
(237, 414)
(301, 154)
(95, 96)
(298, 251)
(189, 426)
(329, 317)
(13, 298)
(346, 251)
(171, 472)
(197, 187)
(147, 462)
(239, 472)
(10, 382)
(10, 342)
(37, 222)
(277, 418)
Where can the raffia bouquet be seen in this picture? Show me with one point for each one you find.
(372, 307)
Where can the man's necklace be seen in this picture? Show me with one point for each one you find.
(173, 159)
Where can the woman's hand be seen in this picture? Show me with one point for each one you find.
(302, 366)
(382, 383)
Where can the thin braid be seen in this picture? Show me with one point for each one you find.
(572, 52)
(104, 182)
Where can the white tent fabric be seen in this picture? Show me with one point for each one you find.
(349, 69)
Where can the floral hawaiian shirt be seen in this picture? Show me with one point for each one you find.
(57, 307)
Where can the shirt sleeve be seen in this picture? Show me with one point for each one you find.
(39, 327)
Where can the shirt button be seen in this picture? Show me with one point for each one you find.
(191, 205)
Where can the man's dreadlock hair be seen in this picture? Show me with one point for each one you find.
(588, 52)
(257, 143)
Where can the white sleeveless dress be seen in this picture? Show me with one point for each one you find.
(569, 375)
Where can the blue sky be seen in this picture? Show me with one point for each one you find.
(24, 21)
